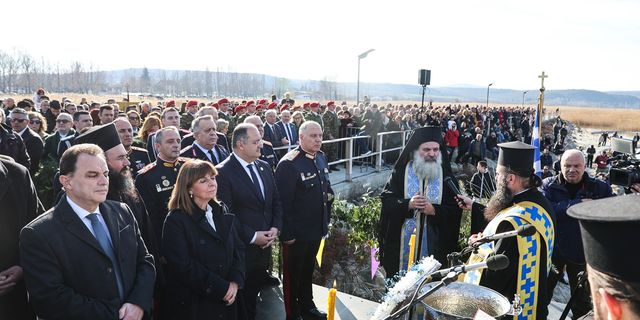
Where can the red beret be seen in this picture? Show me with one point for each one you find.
(331, 103)
(306, 104)
(296, 107)
(215, 105)
(223, 100)
(259, 107)
(170, 103)
(192, 103)
(262, 101)
(272, 105)
(240, 107)
(314, 105)
(284, 107)
(250, 102)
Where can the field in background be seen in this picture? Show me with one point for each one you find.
(603, 118)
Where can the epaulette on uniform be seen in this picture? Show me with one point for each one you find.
(291, 155)
(267, 143)
(147, 168)
(139, 149)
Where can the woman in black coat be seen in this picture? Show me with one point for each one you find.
(204, 256)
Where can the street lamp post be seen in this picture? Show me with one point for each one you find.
(360, 57)
(523, 94)
(490, 84)
(489, 112)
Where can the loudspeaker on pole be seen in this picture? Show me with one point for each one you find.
(425, 77)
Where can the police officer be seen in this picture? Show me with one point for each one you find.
(302, 178)
(155, 181)
(267, 152)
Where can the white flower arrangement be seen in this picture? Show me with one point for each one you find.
(405, 287)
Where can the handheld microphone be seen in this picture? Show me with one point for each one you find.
(452, 185)
(493, 263)
(526, 230)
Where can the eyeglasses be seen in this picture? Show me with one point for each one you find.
(35, 121)
(134, 118)
(18, 120)
(62, 121)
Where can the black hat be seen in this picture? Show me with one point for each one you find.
(105, 136)
(517, 156)
(607, 227)
(54, 104)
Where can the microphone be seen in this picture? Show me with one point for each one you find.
(493, 263)
(452, 185)
(526, 230)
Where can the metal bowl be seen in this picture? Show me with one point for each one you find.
(461, 300)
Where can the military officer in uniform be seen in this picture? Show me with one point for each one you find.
(302, 178)
(155, 181)
(313, 114)
(331, 128)
(138, 157)
(189, 114)
(267, 152)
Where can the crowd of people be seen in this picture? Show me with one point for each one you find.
(170, 210)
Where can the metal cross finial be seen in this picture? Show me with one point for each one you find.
(542, 76)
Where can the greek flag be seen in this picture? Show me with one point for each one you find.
(535, 141)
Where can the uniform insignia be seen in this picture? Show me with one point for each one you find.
(165, 183)
(261, 169)
(158, 188)
(309, 156)
(147, 168)
(163, 177)
(291, 155)
(139, 149)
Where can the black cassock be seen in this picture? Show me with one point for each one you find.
(443, 228)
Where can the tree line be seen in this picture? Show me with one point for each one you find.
(22, 73)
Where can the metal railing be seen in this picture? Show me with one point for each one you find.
(353, 150)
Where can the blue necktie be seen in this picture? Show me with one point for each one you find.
(101, 235)
(255, 180)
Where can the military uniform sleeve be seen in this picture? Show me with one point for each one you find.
(286, 182)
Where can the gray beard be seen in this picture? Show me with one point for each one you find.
(428, 169)
(501, 199)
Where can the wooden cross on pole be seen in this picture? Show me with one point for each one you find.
(542, 76)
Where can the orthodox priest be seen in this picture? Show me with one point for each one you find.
(416, 199)
(516, 202)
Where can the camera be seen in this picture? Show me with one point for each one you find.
(625, 170)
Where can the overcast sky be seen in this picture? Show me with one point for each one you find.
(581, 44)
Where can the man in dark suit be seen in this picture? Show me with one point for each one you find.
(85, 258)
(20, 205)
(32, 141)
(288, 130)
(205, 146)
(81, 119)
(271, 132)
(267, 154)
(246, 184)
(63, 130)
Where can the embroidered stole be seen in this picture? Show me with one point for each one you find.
(432, 190)
(530, 248)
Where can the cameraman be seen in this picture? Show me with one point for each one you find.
(572, 186)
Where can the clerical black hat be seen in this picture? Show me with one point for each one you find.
(608, 227)
(517, 156)
(105, 136)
